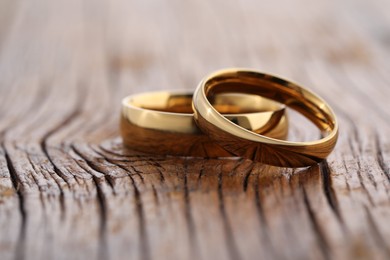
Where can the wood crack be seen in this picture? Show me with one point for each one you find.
(19, 250)
(44, 148)
(379, 157)
(158, 167)
(102, 202)
(200, 175)
(188, 213)
(322, 242)
(143, 235)
(264, 232)
(247, 176)
(137, 172)
(258, 203)
(95, 167)
(359, 174)
(328, 190)
(72, 116)
(40, 188)
(144, 244)
(230, 242)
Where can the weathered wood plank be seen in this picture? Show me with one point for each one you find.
(70, 190)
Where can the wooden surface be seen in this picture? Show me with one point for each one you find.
(69, 190)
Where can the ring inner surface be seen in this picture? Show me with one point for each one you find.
(279, 90)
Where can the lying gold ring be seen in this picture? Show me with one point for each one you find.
(162, 122)
(247, 144)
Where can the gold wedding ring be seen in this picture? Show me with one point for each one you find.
(241, 142)
(162, 122)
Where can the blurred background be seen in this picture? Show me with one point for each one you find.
(130, 46)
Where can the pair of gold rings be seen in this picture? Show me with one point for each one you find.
(233, 112)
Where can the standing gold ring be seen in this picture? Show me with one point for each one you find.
(162, 122)
(241, 142)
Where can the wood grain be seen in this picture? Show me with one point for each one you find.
(70, 190)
